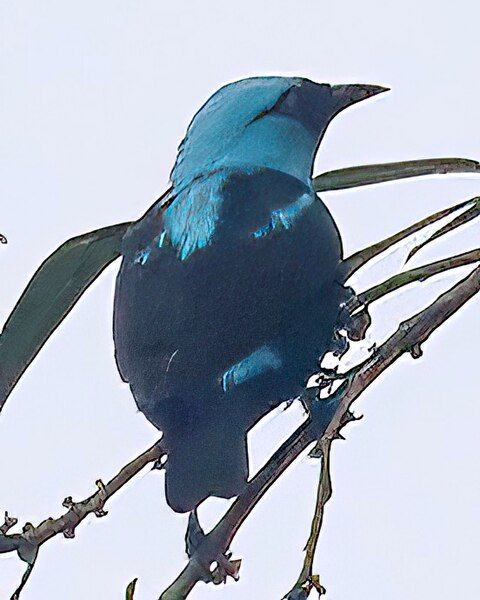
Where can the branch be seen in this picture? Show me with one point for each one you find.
(408, 338)
(307, 580)
(28, 542)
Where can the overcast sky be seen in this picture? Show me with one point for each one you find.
(95, 99)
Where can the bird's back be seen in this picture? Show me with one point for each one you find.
(211, 341)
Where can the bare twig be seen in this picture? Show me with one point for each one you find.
(307, 580)
(29, 541)
(25, 577)
(409, 336)
(8, 523)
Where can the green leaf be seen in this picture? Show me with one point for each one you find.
(352, 263)
(131, 589)
(50, 295)
(342, 179)
(465, 217)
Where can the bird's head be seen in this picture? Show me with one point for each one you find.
(273, 122)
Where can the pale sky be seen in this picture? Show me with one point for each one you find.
(95, 99)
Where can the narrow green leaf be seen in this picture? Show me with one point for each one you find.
(50, 295)
(465, 217)
(352, 263)
(131, 589)
(342, 179)
(421, 274)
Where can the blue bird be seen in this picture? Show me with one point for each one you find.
(227, 299)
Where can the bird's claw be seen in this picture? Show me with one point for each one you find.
(224, 566)
(322, 410)
(352, 324)
(357, 324)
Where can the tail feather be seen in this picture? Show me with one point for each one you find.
(216, 465)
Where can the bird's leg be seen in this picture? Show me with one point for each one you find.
(194, 537)
(352, 323)
(353, 319)
(322, 410)
(327, 377)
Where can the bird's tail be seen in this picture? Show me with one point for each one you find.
(202, 466)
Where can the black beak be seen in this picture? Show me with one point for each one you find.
(346, 95)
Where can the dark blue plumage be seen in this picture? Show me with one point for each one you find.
(227, 299)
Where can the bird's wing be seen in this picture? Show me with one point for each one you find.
(50, 295)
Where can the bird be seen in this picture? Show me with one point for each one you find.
(230, 290)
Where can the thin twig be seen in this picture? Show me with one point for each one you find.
(25, 577)
(29, 541)
(307, 580)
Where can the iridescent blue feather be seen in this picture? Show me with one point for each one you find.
(261, 360)
(191, 219)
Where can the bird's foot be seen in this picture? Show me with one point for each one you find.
(324, 382)
(223, 566)
(328, 377)
(322, 410)
(352, 323)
